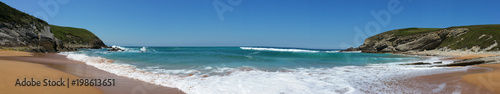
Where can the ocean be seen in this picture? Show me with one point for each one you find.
(261, 70)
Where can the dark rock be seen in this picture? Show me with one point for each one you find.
(440, 62)
(23, 31)
(115, 49)
(466, 62)
(416, 63)
(475, 61)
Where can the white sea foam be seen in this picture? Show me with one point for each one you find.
(347, 79)
(133, 50)
(144, 49)
(114, 46)
(332, 51)
(278, 49)
(351, 52)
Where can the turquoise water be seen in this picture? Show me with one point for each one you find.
(266, 58)
(260, 70)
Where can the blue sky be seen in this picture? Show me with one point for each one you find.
(326, 24)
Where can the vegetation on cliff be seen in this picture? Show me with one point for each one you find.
(21, 31)
(473, 38)
(483, 36)
(411, 31)
(75, 36)
(14, 16)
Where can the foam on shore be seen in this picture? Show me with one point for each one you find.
(345, 79)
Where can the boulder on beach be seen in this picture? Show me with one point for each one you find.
(416, 63)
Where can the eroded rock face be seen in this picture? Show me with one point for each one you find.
(38, 37)
(388, 42)
(35, 37)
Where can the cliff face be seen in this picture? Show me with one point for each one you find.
(20, 31)
(27, 37)
(419, 39)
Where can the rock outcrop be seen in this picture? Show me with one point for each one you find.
(20, 31)
(391, 42)
(27, 37)
(417, 63)
(474, 61)
(115, 49)
(475, 38)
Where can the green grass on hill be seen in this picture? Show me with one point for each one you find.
(11, 15)
(410, 31)
(471, 38)
(69, 34)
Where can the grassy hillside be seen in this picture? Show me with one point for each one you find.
(21, 31)
(410, 31)
(480, 35)
(70, 34)
(11, 15)
(484, 37)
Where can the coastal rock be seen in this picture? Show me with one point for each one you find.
(115, 49)
(400, 41)
(440, 62)
(416, 63)
(475, 61)
(23, 32)
(34, 37)
(463, 63)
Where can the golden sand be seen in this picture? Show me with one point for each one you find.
(489, 80)
(10, 71)
(14, 53)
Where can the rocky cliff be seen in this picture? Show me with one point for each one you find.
(20, 31)
(475, 38)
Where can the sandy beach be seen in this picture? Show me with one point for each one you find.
(489, 81)
(13, 70)
(477, 79)
(51, 66)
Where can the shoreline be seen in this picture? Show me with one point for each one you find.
(60, 63)
(477, 79)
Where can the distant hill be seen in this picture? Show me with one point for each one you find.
(76, 37)
(21, 31)
(472, 38)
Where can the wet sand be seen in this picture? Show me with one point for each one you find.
(489, 81)
(478, 79)
(486, 82)
(447, 83)
(123, 85)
